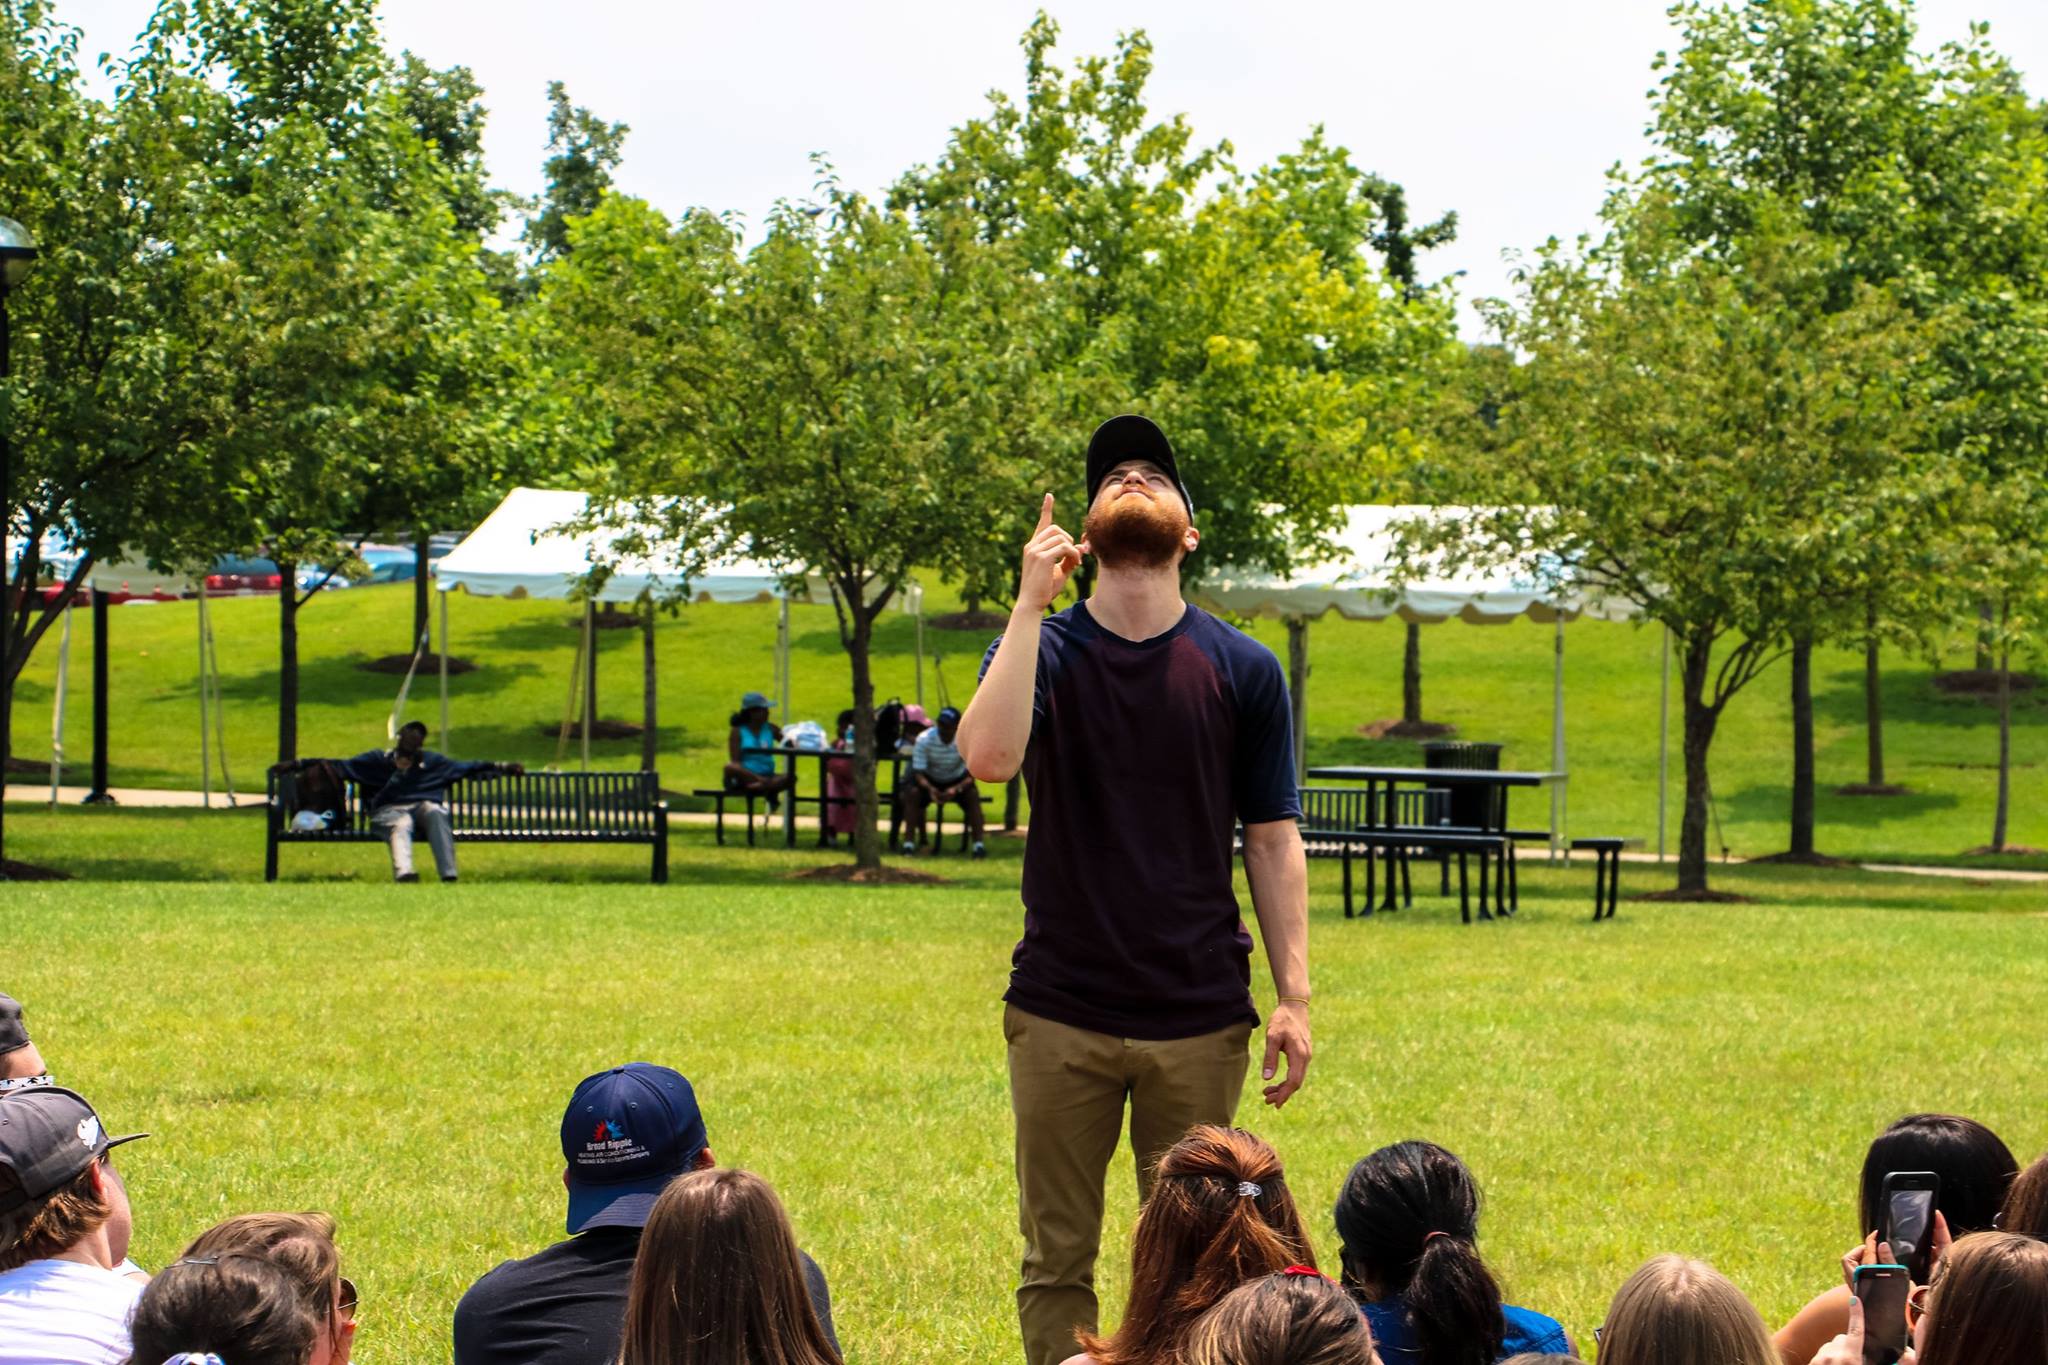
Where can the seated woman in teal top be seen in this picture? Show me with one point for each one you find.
(1408, 1217)
(754, 773)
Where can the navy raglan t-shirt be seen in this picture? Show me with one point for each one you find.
(1143, 756)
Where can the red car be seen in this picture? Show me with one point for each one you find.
(239, 573)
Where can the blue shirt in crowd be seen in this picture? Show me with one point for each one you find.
(378, 777)
(936, 758)
(1393, 1334)
(761, 738)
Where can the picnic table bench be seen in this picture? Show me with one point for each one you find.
(535, 807)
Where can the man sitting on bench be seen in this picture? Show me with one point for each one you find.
(405, 791)
(938, 773)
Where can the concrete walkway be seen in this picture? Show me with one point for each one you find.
(23, 794)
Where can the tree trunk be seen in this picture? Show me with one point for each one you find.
(867, 841)
(1411, 676)
(1699, 722)
(650, 745)
(1873, 700)
(287, 661)
(1802, 747)
(1984, 624)
(420, 564)
(1297, 691)
(590, 677)
(1999, 819)
(6, 714)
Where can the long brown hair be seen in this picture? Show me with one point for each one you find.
(1989, 1303)
(1296, 1319)
(718, 1280)
(1219, 1214)
(2026, 1203)
(1679, 1312)
(299, 1244)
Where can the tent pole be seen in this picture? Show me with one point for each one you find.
(590, 679)
(782, 657)
(1664, 746)
(446, 743)
(57, 709)
(205, 757)
(1297, 691)
(1557, 785)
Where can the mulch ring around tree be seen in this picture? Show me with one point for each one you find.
(1868, 789)
(13, 871)
(869, 876)
(19, 769)
(968, 620)
(2009, 851)
(603, 729)
(397, 664)
(1406, 729)
(1980, 682)
(1675, 897)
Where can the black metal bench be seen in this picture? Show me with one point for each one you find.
(1606, 873)
(581, 808)
(720, 795)
(1397, 844)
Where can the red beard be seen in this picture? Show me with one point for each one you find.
(1134, 531)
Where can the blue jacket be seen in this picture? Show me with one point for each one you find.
(381, 782)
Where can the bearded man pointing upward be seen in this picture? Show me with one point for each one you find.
(1146, 730)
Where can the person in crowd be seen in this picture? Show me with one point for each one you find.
(938, 773)
(719, 1278)
(1297, 1317)
(627, 1134)
(2026, 1204)
(405, 791)
(1533, 1358)
(232, 1309)
(840, 815)
(65, 1224)
(21, 1065)
(1147, 731)
(1976, 1171)
(1408, 1218)
(747, 770)
(1676, 1311)
(302, 1246)
(1219, 1214)
(1987, 1302)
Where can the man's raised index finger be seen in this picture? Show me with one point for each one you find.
(1044, 514)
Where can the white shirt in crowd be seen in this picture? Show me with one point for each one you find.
(65, 1313)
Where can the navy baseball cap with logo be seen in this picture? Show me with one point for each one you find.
(48, 1136)
(1132, 438)
(627, 1133)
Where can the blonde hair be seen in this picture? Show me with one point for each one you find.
(1676, 1311)
(299, 1244)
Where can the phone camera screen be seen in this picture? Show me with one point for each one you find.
(1884, 1316)
(1911, 1213)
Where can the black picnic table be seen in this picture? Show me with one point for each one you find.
(790, 753)
(1498, 782)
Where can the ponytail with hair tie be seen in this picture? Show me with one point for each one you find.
(195, 1358)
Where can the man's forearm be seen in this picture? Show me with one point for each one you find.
(997, 725)
(1277, 868)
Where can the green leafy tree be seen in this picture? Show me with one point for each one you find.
(583, 151)
(1683, 433)
(120, 361)
(1827, 112)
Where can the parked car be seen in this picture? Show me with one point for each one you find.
(393, 571)
(243, 573)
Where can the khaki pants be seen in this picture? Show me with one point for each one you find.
(1068, 1087)
(426, 817)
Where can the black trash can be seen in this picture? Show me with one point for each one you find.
(1469, 807)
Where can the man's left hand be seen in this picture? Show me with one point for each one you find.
(1286, 1036)
(512, 769)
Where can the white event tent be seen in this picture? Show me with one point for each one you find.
(1361, 580)
(522, 549)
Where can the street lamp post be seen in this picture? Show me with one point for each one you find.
(17, 258)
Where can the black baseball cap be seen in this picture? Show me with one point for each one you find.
(626, 1134)
(1131, 437)
(13, 1033)
(48, 1136)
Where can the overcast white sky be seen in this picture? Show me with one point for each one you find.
(1509, 111)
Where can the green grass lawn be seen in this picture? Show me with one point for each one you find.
(1492, 682)
(1693, 1078)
